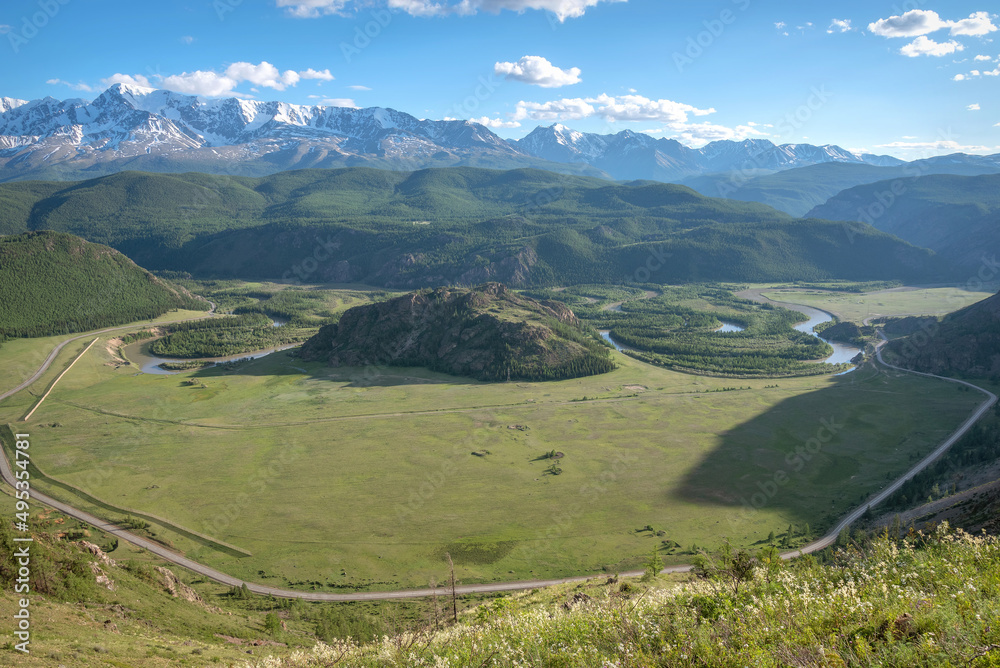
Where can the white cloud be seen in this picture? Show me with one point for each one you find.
(675, 116)
(924, 46)
(356, 87)
(958, 77)
(265, 74)
(4, 28)
(563, 9)
(199, 82)
(983, 58)
(338, 102)
(639, 108)
(942, 145)
(187, 39)
(128, 79)
(538, 71)
(322, 75)
(924, 21)
(213, 84)
(307, 9)
(696, 134)
(912, 23)
(839, 25)
(611, 109)
(556, 110)
(780, 25)
(75, 86)
(495, 122)
(977, 25)
(972, 107)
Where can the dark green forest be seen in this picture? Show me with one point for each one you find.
(220, 337)
(525, 227)
(53, 283)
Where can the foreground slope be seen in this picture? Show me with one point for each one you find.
(930, 599)
(956, 216)
(488, 333)
(453, 226)
(54, 283)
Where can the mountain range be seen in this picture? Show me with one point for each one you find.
(131, 127)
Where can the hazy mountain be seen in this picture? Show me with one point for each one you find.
(956, 216)
(630, 155)
(798, 190)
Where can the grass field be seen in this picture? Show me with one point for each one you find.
(856, 307)
(20, 358)
(364, 478)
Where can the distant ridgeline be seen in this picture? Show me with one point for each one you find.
(966, 342)
(489, 333)
(453, 226)
(54, 283)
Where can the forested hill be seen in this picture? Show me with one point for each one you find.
(461, 225)
(489, 333)
(54, 283)
(966, 342)
(956, 216)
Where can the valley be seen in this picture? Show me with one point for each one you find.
(499, 334)
(287, 440)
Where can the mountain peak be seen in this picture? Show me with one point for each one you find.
(8, 103)
(130, 89)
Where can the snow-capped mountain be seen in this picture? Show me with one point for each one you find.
(130, 127)
(629, 155)
(8, 103)
(143, 128)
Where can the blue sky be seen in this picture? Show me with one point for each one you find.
(906, 78)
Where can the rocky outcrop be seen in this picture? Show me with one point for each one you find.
(488, 333)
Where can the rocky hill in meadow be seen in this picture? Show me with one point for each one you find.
(489, 333)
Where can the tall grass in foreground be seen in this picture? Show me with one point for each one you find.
(928, 600)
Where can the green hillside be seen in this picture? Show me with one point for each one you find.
(966, 343)
(956, 216)
(461, 225)
(54, 283)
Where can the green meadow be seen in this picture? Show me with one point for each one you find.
(343, 479)
(19, 358)
(905, 301)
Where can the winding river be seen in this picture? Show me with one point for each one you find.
(842, 354)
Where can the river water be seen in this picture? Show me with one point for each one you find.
(841, 353)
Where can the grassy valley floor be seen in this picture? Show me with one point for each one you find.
(344, 479)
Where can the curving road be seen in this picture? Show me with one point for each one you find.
(196, 567)
(55, 351)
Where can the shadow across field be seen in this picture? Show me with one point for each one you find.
(813, 457)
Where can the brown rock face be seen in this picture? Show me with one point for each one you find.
(488, 332)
